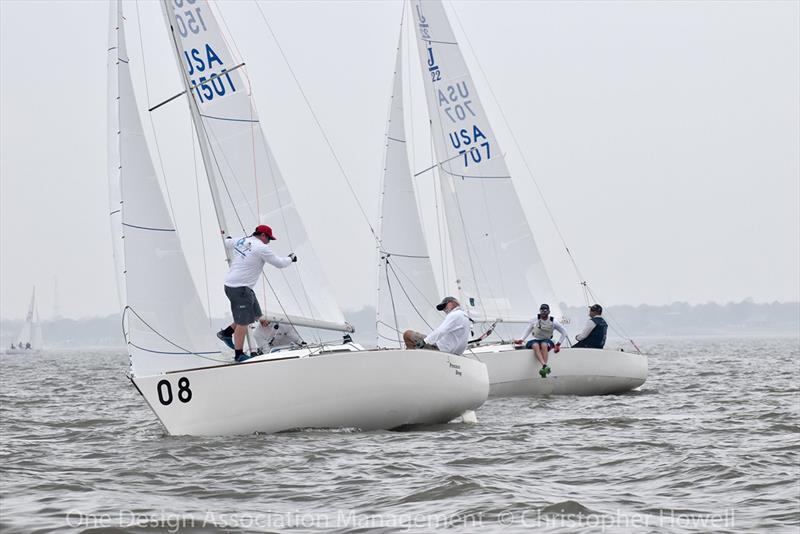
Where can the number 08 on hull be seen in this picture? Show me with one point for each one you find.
(368, 390)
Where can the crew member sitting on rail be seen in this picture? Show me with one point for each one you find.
(593, 335)
(451, 336)
(542, 327)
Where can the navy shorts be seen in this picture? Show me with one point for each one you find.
(550, 344)
(244, 305)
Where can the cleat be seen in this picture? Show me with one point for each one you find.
(228, 340)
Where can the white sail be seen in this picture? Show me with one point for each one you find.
(245, 180)
(500, 270)
(407, 293)
(167, 328)
(26, 332)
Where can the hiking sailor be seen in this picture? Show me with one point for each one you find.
(272, 336)
(451, 336)
(543, 327)
(593, 335)
(248, 256)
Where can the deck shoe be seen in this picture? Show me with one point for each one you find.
(243, 357)
(228, 340)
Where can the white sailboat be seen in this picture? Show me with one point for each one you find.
(190, 383)
(29, 340)
(499, 274)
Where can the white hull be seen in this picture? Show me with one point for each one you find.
(367, 390)
(514, 372)
(29, 352)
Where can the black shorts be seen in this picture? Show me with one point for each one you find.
(244, 305)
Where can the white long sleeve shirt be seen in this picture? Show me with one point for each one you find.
(586, 330)
(453, 334)
(556, 326)
(248, 256)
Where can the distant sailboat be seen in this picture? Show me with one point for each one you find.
(29, 340)
(177, 365)
(500, 274)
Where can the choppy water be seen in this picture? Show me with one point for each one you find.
(710, 443)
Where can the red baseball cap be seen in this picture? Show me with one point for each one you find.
(264, 229)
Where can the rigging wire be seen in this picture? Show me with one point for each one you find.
(408, 297)
(162, 336)
(150, 117)
(391, 299)
(382, 187)
(587, 291)
(518, 146)
(319, 124)
(202, 227)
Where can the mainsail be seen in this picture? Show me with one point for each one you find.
(27, 332)
(407, 292)
(245, 181)
(167, 328)
(499, 269)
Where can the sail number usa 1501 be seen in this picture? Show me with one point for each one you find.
(164, 390)
(208, 73)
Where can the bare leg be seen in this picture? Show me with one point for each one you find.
(540, 354)
(408, 339)
(240, 331)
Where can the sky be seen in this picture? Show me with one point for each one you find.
(664, 136)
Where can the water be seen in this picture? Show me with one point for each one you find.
(710, 443)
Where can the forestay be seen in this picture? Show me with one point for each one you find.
(244, 176)
(407, 292)
(167, 328)
(498, 265)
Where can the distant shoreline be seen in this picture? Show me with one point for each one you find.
(645, 322)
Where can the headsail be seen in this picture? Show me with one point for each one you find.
(407, 292)
(498, 265)
(246, 183)
(167, 328)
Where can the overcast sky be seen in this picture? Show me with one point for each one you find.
(665, 136)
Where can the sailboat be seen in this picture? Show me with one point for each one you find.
(29, 340)
(182, 371)
(499, 274)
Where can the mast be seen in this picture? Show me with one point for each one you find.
(205, 149)
(244, 180)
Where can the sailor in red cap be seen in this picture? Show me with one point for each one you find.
(248, 256)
